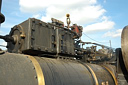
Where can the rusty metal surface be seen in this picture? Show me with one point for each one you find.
(19, 69)
(124, 46)
(102, 74)
(43, 42)
(112, 74)
(63, 72)
(40, 76)
(36, 37)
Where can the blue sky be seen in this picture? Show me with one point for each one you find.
(117, 9)
(102, 20)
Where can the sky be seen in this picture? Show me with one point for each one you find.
(102, 20)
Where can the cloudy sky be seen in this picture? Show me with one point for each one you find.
(102, 20)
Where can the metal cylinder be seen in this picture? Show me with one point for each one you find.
(2, 18)
(124, 46)
(19, 69)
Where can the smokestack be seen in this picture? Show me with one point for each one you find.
(2, 18)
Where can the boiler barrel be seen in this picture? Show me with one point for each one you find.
(19, 69)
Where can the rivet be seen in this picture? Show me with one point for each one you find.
(35, 77)
(20, 32)
(33, 29)
(31, 46)
(22, 36)
(34, 68)
(39, 48)
(46, 49)
(30, 61)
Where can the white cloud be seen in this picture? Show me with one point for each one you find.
(3, 43)
(36, 16)
(1, 32)
(81, 11)
(113, 34)
(79, 15)
(39, 5)
(104, 25)
(7, 25)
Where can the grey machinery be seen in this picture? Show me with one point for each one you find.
(40, 53)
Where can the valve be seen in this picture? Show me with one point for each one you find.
(68, 20)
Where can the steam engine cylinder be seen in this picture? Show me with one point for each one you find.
(19, 69)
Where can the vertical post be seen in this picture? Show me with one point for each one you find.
(110, 43)
(68, 20)
(0, 4)
(57, 40)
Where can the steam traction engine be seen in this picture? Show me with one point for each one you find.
(40, 53)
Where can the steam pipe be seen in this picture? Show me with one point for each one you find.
(7, 38)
